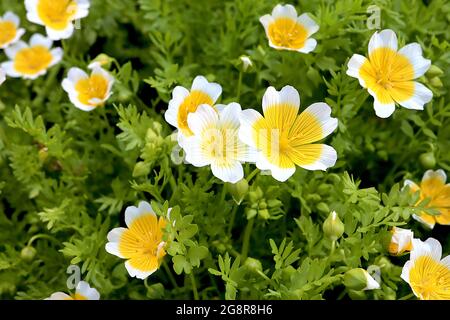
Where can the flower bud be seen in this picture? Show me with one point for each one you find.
(333, 226)
(434, 71)
(436, 82)
(401, 241)
(238, 190)
(102, 60)
(357, 295)
(28, 253)
(253, 264)
(246, 63)
(427, 160)
(359, 279)
(264, 214)
(141, 169)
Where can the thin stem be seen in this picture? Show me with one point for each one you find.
(233, 216)
(407, 297)
(170, 275)
(194, 285)
(238, 94)
(252, 174)
(246, 241)
(42, 236)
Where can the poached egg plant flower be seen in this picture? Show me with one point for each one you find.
(425, 272)
(141, 242)
(401, 241)
(288, 31)
(9, 29)
(184, 102)
(285, 139)
(2, 76)
(88, 92)
(57, 15)
(82, 292)
(29, 61)
(433, 186)
(215, 142)
(388, 74)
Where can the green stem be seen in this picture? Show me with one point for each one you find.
(252, 174)
(194, 285)
(170, 275)
(246, 241)
(233, 216)
(42, 236)
(238, 94)
(407, 297)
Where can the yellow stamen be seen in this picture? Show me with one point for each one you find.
(430, 279)
(30, 61)
(287, 33)
(56, 14)
(94, 87)
(190, 104)
(8, 32)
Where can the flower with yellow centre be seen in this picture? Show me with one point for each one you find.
(88, 92)
(30, 61)
(285, 139)
(184, 102)
(425, 272)
(82, 292)
(433, 186)
(9, 29)
(141, 243)
(57, 15)
(388, 74)
(215, 142)
(401, 241)
(288, 31)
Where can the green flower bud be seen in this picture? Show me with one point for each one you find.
(255, 195)
(264, 214)
(43, 154)
(359, 279)
(253, 264)
(246, 63)
(28, 253)
(262, 205)
(436, 82)
(427, 160)
(357, 295)
(333, 226)
(141, 169)
(322, 206)
(434, 71)
(102, 60)
(238, 190)
(251, 213)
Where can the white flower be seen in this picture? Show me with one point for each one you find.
(9, 29)
(401, 240)
(83, 292)
(246, 62)
(2, 76)
(286, 30)
(285, 139)
(141, 242)
(184, 102)
(88, 92)
(215, 142)
(57, 15)
(32, 60)
(388, 74)
(426, 272)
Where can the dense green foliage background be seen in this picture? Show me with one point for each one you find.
(66, 176)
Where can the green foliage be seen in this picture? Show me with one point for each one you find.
(66, 176)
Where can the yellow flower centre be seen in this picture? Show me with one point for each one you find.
(285, 137)
(30, 61)
(389, 75)
(220, 144)
(94, 87)
(190, 104)
(140, 243)
(8, 32)
(287, 33)
(430, 279)
(56, 14)
(439, 194)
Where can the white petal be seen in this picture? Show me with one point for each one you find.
(308, 23)
(383, 39)
(133, 272)
(262, 163)
(413, 52)
(57, 54)
(38, 39)
(212, 89)
(446, 261)
(266, 20)
(178, 95)
(412, 185)
(112, 246)
(354, 65)
(419, 219)
(438, 174)
(32, 12)
(8, 68)
(286, 11)
(86, 291)
(194, 153)
(230, 115)
(282, 174)
(60, 34)
(12, 50)
(326, 160)
(287, 95)
(73, 96)
(232, 172)
(59, 296)
(11, 16)
(203, 118)
(420, 97)
(435, 248)
(310, 45)
(322, 113)
(132, 212)
(419, 249)
(405, 271)
(247, 119)
(383, 110)
(371, 283)
(2, 76)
